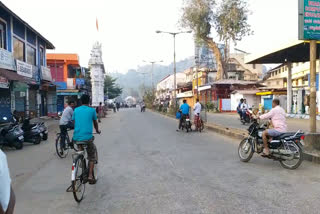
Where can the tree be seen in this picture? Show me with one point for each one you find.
(111, 88)
(149, 97)
(229, 20)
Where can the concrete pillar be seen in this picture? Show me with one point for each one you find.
(313, 55)
(289, 88)
(38, 103)
(27, 103)
(300, 101)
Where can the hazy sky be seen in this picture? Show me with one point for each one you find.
(127, 28)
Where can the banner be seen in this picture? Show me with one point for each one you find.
(6, 60)
(309, 19)
(46, 73)
(4, 83)
(24, 69)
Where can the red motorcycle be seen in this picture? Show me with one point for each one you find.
(247, 117)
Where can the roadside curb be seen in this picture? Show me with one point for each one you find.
(241, 134)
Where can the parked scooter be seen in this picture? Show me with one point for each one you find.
(41, 126)
(10, 134)
(31, 132)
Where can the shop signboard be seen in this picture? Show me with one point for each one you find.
(46, 73)
(6, 60)
(4, 83)
(309, 19)
(24, 69)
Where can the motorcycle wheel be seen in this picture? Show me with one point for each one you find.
(45, 137)
(18, 145)
(245, 150)
(298, 158)
(37, 140)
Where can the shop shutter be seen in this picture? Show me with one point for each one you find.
(5, 103)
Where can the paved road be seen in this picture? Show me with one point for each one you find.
(148, 167)
(233, 121)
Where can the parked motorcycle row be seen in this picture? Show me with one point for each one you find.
(13, 134)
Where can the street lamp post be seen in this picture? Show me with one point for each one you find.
(152, 63)
(174, 62)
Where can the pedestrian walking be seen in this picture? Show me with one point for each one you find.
(99, 111)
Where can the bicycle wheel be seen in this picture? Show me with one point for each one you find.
(201, 126)
(61, 152)
(95, 169)
(78, 184)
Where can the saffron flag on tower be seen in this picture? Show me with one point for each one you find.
(97, 25)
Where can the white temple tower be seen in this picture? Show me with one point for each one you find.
(97, 75)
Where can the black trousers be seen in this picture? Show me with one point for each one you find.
(63, 131)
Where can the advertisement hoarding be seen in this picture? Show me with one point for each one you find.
(309, 19)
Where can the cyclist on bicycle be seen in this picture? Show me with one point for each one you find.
(85, 117)
(66, 122)
(197, 110)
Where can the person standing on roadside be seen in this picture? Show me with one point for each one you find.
(66, 122)
(99, 111)
(197, 111)
(7, 197)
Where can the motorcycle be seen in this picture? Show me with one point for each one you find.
(286, 148)
(143, 108)
(247, 116)
(186, 123)
(31, 132)
(11, 135)
(43, 130)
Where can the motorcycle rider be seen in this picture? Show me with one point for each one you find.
(143, 106)
(244, 107)
(278, 119)
(66, 122)
(184, 108)
(239, 108)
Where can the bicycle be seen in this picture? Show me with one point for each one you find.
(80, 171)
(199, 123)
(63, 152)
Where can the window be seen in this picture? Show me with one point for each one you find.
(278, 82)
(31, 55)
(18, 49)
(41, 56)
(254, 66)
(3, 38)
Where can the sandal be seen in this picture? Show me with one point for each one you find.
(92, 181)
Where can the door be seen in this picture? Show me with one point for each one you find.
(5, 103)
(267, 103)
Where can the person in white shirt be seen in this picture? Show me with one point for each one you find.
(244, 106)
(7, 197)
(197, 110)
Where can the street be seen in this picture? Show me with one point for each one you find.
(146, 166)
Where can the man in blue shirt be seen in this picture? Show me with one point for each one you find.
(184, 108)
(85, 117)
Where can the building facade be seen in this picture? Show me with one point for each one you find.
(69, 78)
(24, 77)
